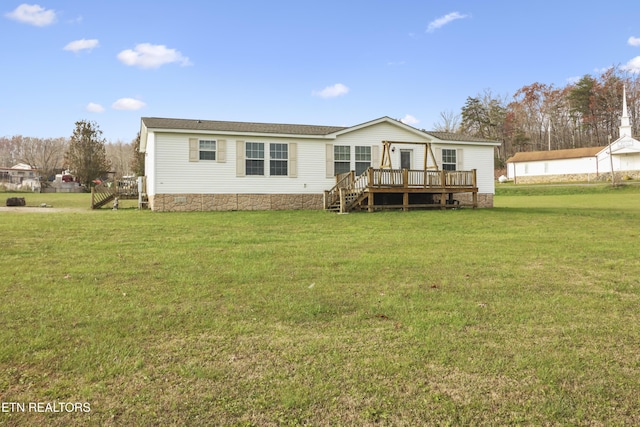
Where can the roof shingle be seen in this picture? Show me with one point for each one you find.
(240, 127)
(570, 153)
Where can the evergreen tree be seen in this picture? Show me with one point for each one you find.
(137, 162)
(86, 156)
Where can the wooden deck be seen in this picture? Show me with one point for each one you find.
(405, 189)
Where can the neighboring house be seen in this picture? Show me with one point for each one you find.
(193, 165)
(622, 158)
(19, 177)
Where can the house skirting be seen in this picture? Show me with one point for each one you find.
(577, 177)
(485, 200)
(260, 202)
(233, 202)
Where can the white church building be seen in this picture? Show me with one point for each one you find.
(621, 157)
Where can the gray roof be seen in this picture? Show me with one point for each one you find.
(450, 136)
(278, 128)
(567, 153)
(240, 127)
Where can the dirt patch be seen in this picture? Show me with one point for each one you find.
(38, 209)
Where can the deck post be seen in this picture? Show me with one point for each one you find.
(475, 188)
(405, 185)
(342, 200)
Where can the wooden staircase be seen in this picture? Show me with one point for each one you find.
(107, 191)
(99, 199)
(348, 193)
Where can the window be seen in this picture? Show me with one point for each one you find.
(254, 159)
(363, 159)
(278, 159)
(448, 159)
(341, 159)
(207, 150)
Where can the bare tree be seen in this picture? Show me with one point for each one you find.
(119, 156)
(10, 150)
(449, 122)
(46, 155)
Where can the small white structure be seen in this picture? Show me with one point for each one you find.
(215, 165)
(622, 157)
(19, 177)
(574, 164)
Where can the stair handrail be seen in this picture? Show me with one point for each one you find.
(358, 186)
(342, 181)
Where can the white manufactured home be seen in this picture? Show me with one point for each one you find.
(195, 165)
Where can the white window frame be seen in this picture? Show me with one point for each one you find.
(251, 159)
(449, 154)
(363, 158)
(278, 159)
(207, 147)
(341, 159)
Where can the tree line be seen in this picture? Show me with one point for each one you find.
(86, 154)
(540, 116)
(536, 117)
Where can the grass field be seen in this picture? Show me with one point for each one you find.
(525, 314)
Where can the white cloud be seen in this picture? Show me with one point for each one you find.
(409, 120)
(632, 66)
(128, 104)
(574, 79)
(92, 107)
(82, 44)
(634, 41)
(33, 14)
(337, 89)
(444, 20)
(147, 55)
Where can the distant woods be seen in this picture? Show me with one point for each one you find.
(541, 117)
(53, 155)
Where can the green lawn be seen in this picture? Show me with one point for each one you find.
(524, 314)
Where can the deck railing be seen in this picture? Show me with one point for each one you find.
(410, 178)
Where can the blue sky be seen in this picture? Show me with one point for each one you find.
(311, 62)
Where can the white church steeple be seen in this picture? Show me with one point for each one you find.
(625, 124)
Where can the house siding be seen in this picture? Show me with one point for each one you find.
(550, 168)
(150, 163)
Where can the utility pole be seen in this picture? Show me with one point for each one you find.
(613, 180)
